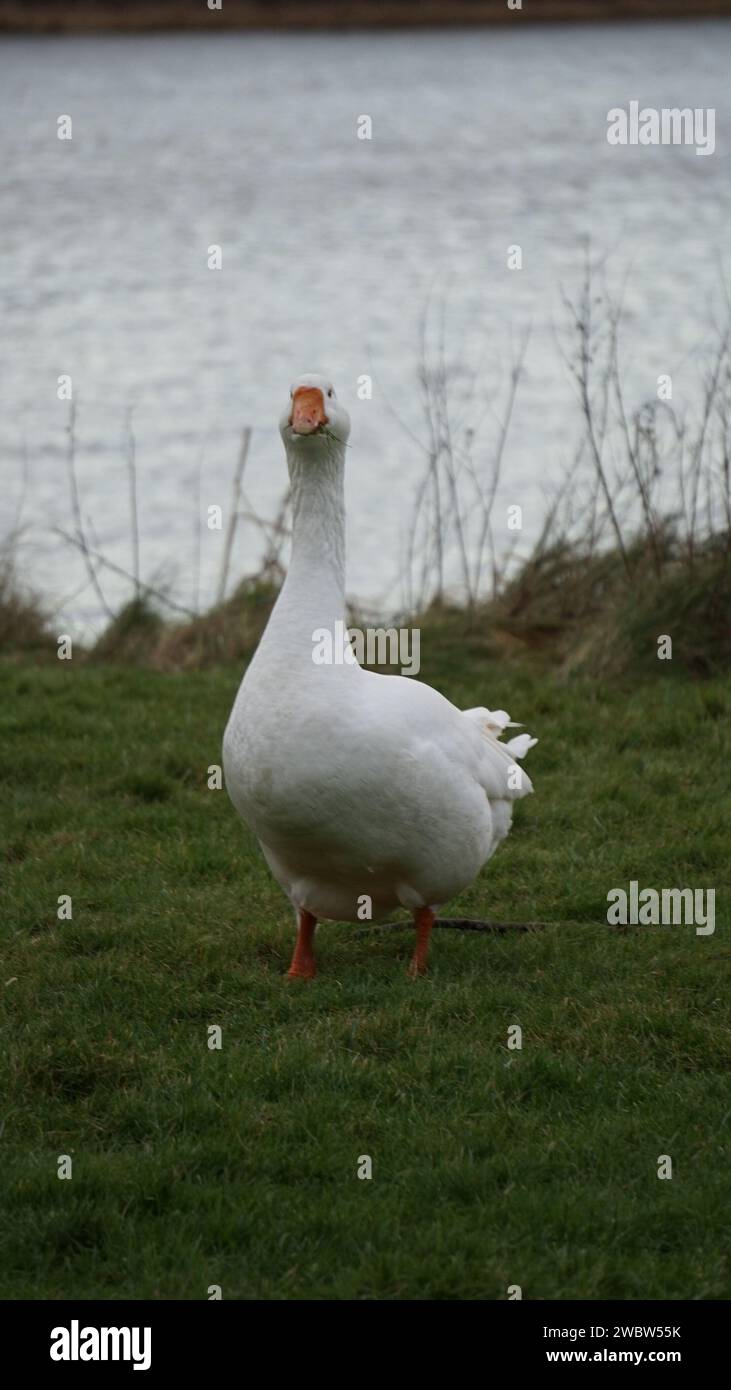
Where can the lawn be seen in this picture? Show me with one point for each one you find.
(238, 1167)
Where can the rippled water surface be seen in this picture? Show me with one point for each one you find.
(331, 246)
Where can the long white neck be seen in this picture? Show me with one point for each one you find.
(313, 594)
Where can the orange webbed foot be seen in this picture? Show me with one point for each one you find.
(302, 970)
(423, 921)
(303, 961)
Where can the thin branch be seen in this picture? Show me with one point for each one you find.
(233, 513)
(117, 569)
(80, 541)
(134, 517)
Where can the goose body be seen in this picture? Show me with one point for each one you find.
(361, 788)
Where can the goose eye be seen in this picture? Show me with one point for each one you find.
(330, 391)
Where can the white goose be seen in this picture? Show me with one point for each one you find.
(357, 785)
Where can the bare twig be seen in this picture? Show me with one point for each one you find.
(233, 513)
(117, 569)
(595, 425)
(197, 531)
(80, 541)
(497, 463)
(134, 517)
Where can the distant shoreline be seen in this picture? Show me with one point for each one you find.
(42, 16)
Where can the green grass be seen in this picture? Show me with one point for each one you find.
(238, 1167)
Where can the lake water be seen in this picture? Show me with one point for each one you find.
(331, 246)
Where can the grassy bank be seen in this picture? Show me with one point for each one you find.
(238, 1167)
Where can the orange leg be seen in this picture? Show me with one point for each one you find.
(303, 961)
(423, 921)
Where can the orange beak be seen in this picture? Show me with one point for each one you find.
(308, 410)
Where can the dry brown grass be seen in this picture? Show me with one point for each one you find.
(23, 621)
(579, 611)
(228, 633)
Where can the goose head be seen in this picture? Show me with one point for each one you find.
(313, 419)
